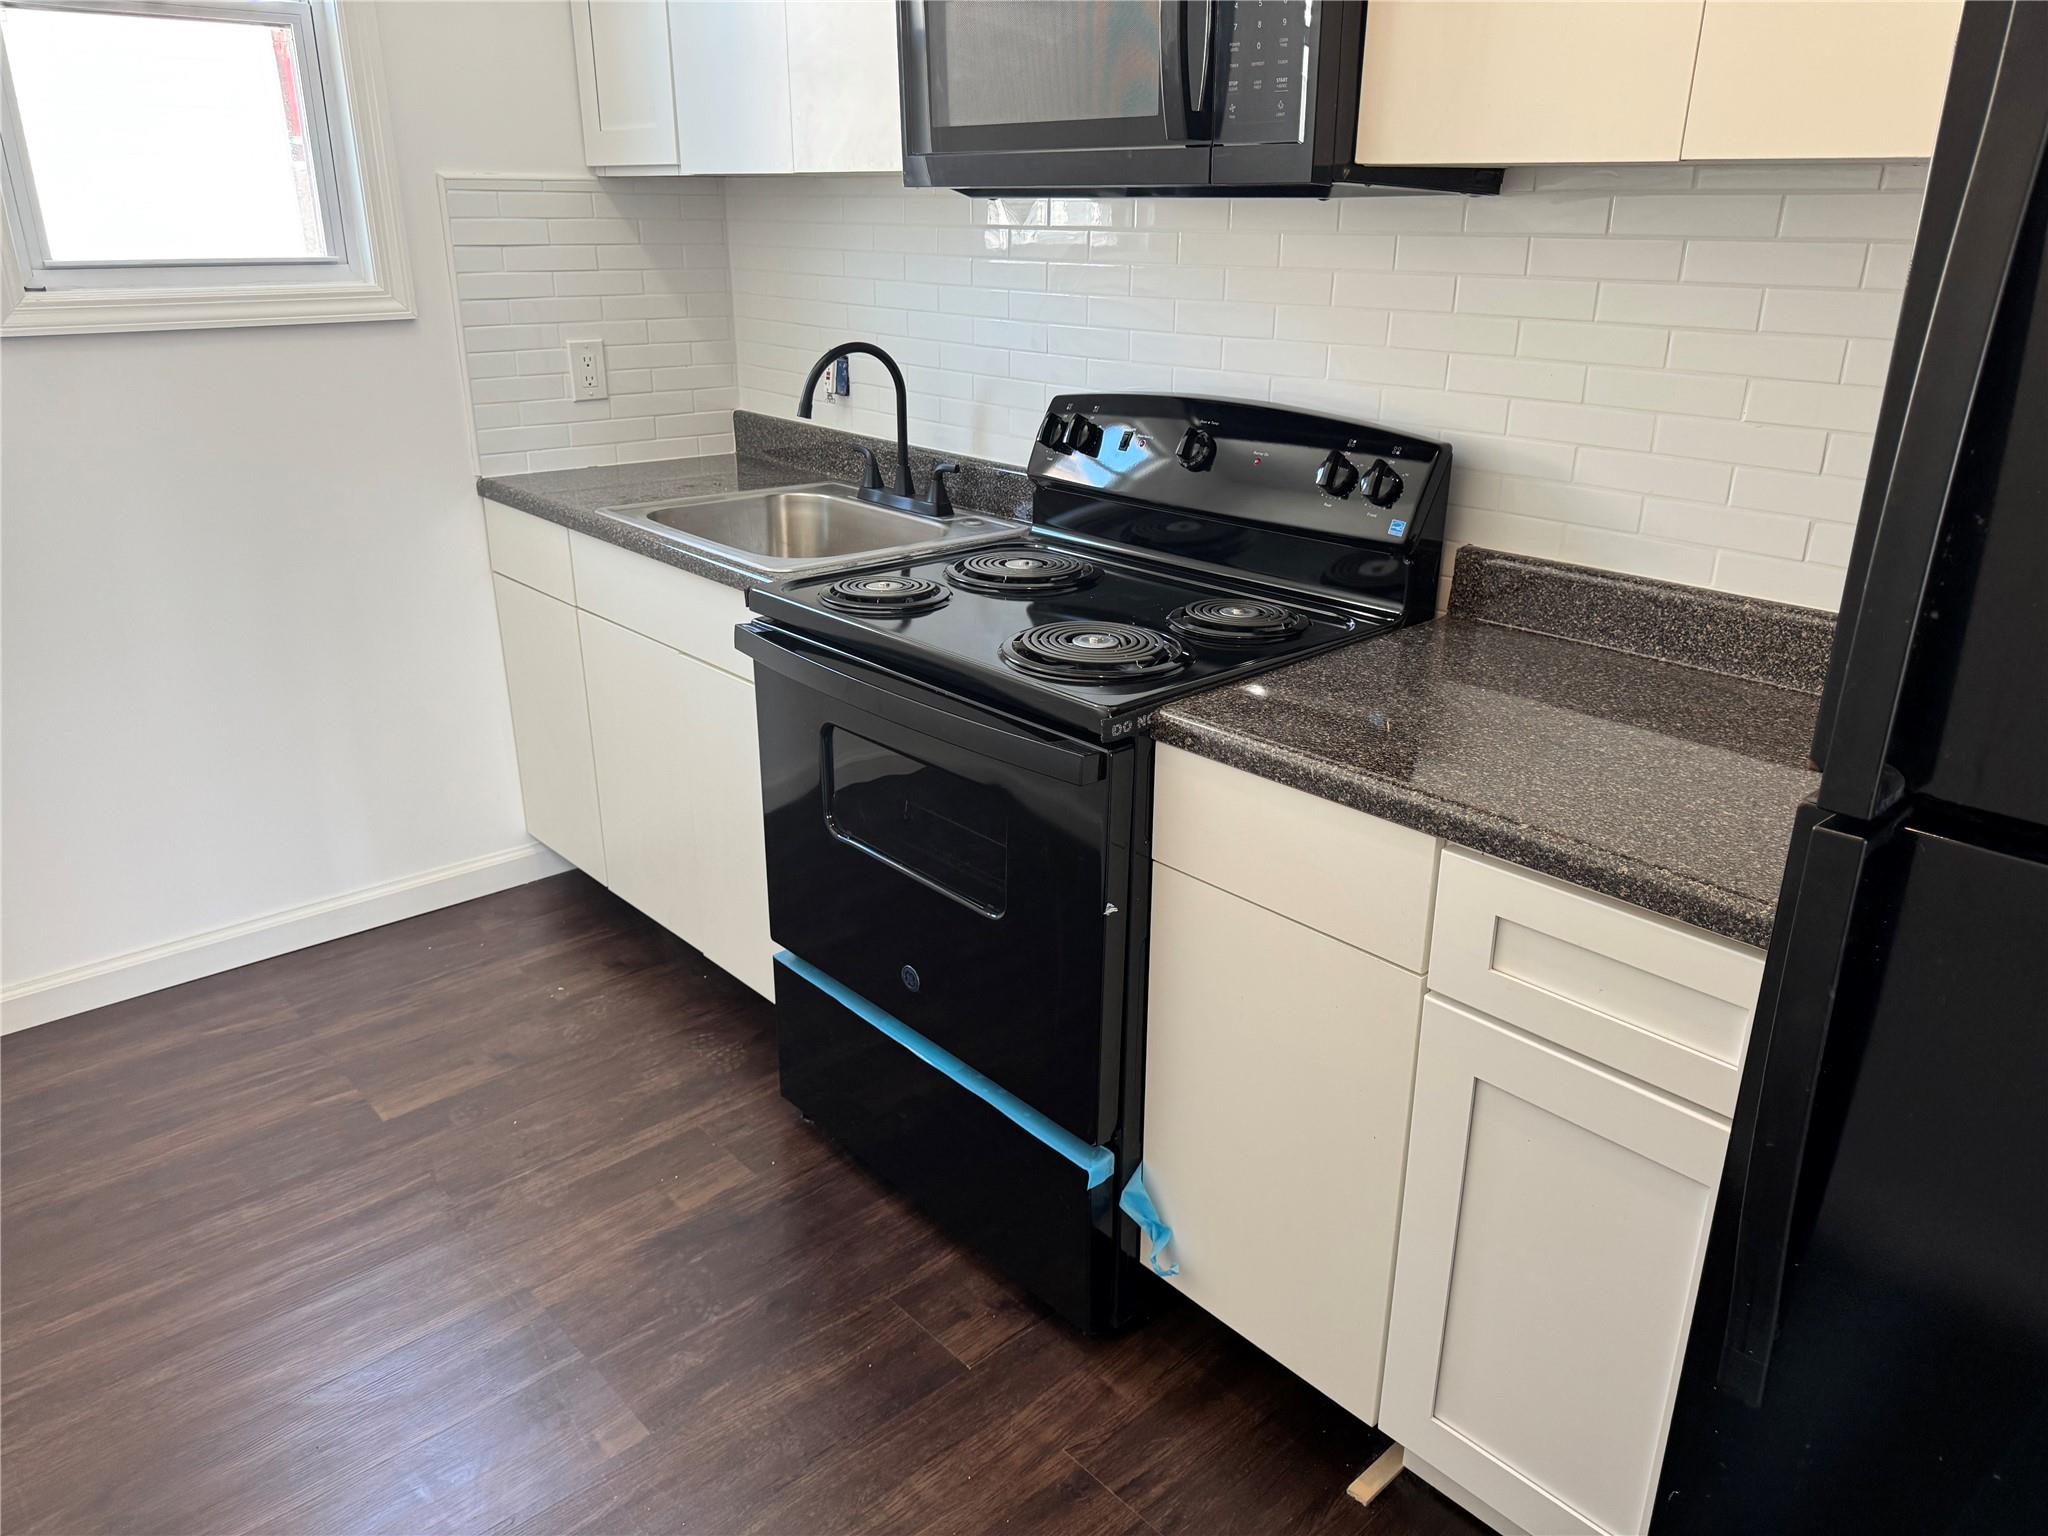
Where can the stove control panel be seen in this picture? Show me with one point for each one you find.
(1253, 463)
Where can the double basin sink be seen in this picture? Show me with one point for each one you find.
(798, 528)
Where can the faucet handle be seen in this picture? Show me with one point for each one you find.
(870, 471)
(942, 502)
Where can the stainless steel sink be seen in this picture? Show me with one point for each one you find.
(802, 527)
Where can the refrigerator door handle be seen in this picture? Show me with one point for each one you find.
(1814, 958)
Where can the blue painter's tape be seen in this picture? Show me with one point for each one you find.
(1097, 1162)
(1136, 1203)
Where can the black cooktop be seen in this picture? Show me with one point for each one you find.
(1078, 636)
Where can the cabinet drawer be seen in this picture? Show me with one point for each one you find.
(531, 550)
(691, 614)
(1655, 999)
(1336, 870)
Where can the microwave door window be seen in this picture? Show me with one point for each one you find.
(1007, 74)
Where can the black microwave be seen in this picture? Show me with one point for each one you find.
(1229, 97)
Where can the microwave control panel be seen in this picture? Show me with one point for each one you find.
(1267, 64)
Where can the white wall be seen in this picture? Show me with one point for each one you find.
(1670, 370)
(250, 662)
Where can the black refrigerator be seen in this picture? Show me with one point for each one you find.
(1869, 1347)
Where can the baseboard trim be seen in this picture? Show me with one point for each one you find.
(64, 993)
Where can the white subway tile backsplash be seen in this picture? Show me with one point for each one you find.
(1757, 355)
(1693, 304)
(1844, 407)
(1790, 263)
(659, 302)
(1646, 389)
(1654, 260)
(1828, 312)
(1696, 213)
(1666, 369)
(1853, 215)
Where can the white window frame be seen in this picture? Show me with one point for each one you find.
(367, 276)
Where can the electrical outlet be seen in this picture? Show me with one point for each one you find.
(842, 381)
(586, 371)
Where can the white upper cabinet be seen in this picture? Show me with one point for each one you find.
(629, 108)
(1535, 82)
(1525, 82)
(845, 97)
(738, 87)
(1820, 79)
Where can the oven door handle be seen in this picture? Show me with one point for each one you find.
(839, 677)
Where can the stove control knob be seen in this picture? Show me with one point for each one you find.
(1082, 436)
(1052, 432)
(1197, 449)
(1337, 476)
(1382, 485)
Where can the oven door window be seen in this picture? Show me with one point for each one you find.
(948, 832)
(1046, 74)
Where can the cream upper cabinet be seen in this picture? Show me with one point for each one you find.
(737, 87)
(1544, 82)
(1820, 79)
(1522, 82)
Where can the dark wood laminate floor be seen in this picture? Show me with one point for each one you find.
(494, 1221)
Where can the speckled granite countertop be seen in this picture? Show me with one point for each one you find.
(1637, 773)
(771, 452)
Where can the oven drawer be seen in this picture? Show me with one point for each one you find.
(1032, 1209)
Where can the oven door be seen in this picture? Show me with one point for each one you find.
(1014, 94)
(965, 873)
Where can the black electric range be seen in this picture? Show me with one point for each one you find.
(957, 791)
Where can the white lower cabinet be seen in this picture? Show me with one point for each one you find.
(1277, 1073)
(1552, 1228)
(633, 718)
(550, 722)
(679, 784)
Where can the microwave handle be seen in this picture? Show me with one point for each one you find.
(1203, 22)
(1187, 37)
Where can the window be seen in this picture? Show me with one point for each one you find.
(208, 163)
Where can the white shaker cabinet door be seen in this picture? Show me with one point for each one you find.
(643, 732)
(724, 786)
(550, 723)
(1277, 1070)
(623, 81)
(844, 96)
(731, 61)
(1552, 1228)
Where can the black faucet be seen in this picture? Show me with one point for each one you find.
(905, 486)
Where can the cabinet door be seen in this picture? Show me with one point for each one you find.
(1277, 1070)
(1552, 1227)
(679, 777)
(623, 79)
(550, 723)
(731, 83)
(1519, 82)
(1820, 79)
(844, 96)
(643, 733)
(725, 789)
